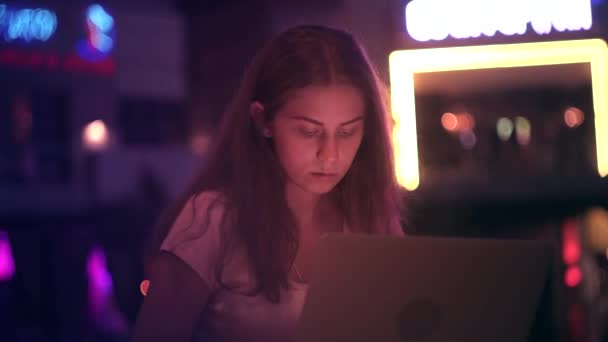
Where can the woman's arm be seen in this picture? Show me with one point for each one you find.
(173, 305)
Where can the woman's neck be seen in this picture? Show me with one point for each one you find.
(306, 207)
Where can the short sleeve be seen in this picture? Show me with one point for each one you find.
(195, 236)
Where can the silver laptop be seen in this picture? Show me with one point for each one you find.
(424, 289)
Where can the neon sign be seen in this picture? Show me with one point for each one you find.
(27, 24)
(100, 34)
(437, 19)
(51, 61)
(91, 54)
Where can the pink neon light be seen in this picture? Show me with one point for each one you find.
(571, 249)
(7, 265)
(100, 281)
(573, 276)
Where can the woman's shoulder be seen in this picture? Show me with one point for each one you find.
(197, 232)
(200, 217)
(204, 205)
(209, 199)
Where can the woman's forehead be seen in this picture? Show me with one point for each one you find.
(331, 103)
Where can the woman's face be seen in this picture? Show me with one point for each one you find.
(317, 133)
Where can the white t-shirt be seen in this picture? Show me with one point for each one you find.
(231, 314)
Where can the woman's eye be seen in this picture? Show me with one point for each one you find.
(309, 132)
(346, 132)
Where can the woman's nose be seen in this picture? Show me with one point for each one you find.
(328, 150)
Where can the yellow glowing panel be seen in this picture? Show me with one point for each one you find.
(404, 64)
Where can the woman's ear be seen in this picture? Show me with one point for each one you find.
(256, 110)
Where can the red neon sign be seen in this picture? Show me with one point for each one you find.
(51, 61)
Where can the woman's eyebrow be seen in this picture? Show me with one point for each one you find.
(316, 122)
(353, 120)
(306, 118)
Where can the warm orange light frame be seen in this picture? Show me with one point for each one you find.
(404, 64)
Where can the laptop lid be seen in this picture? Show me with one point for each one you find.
(372, 288)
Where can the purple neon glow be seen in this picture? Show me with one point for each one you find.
(100, 281)
(101, 301)
(7, 265)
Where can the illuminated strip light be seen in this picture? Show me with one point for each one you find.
(405, 63)
(27, 24)
(437, 19)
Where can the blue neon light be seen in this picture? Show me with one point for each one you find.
(100, 34)
(98, 16)
(27, 24)
(101, 26)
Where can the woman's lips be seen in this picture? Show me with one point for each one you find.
(324, 174)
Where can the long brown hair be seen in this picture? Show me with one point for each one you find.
(241, 164)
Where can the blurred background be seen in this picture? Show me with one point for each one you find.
(107, 109)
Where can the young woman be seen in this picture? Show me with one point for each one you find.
(304, 149)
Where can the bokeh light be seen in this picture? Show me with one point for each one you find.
(95, 135)
(573, 276)
(573, 117)
(449, 121)
(523, 130)
(504, 128)
(468, 139)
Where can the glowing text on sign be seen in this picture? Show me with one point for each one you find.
(26, 24)
(99, 40)
(437, 19)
